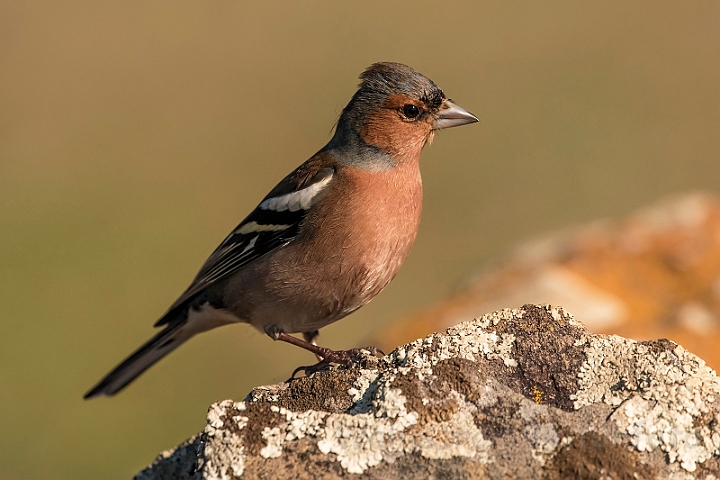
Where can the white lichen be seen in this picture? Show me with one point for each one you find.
(363, 390)
(544, 440)
(223, 450)
(274, 439)
(378, 427)
(457, 438)
(362, 441)
(471, 340)
(661, 395)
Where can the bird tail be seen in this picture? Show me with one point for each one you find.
(167, 340)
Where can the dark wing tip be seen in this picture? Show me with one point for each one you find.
(96, 391)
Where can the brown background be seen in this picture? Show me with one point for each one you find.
(135, 135)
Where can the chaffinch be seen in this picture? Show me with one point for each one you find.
(327, 238)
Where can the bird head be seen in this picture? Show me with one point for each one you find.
(398, 110)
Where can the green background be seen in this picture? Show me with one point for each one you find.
(134, 135)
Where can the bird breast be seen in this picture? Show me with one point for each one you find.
(353, 244)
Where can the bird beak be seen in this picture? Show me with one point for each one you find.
(453, 116)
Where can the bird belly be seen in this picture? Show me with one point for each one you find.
(302, 292)
(308, 296)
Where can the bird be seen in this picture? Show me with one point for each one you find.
(327, 239)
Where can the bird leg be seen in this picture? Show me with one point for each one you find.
(311, 337)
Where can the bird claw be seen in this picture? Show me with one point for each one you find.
(321, 366)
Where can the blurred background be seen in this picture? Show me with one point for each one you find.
(135, 135)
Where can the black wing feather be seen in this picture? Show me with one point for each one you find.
(239, 249)
(233, 254)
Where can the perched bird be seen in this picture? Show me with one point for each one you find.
(327, 238)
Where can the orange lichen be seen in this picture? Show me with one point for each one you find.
(537, 395)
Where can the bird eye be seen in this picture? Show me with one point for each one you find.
(410, 111)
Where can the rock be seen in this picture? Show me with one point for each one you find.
(526, 393)
(654, 274)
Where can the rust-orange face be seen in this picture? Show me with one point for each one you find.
(398, 110)
(404, 124)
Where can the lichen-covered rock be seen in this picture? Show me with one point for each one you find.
(526, 393)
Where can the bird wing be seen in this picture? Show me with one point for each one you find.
(274, 223)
